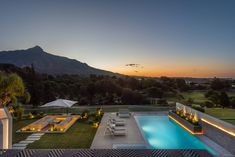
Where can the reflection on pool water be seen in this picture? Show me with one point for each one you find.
(163, 133)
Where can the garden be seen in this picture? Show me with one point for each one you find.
(80, 135)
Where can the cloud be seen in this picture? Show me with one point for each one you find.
(133, 65)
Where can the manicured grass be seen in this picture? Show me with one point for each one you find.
(16, 137)
(198, 97)
(80, 135)
(230, 121)
(231, 94)
(224, 114)
(221, 113)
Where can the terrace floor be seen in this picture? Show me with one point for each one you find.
(102, 141)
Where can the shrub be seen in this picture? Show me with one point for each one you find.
(31, 116)
(34, 112)
(190, 100)
(85, 114)
(198, 107)
(209, 104)
(41, 114)
(20, 112)
(162, 102)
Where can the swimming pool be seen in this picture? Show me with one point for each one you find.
(163, 133)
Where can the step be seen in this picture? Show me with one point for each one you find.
(33, 138)
(27, 141)
(38, 134)
(19, 147)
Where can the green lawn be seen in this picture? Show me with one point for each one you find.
(198, 97)
(80, 135)
(223, 114)
(231, 94)
(16, 137)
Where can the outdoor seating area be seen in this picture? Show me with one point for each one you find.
(51, 124)
(115, 127)
(114, 130)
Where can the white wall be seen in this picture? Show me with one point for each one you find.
(6, 129)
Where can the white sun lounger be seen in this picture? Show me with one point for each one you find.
(118, 132)
(118, 123)
(124, 113)
(114, 127)
(116, 119)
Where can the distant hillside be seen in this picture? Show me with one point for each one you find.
(47, 63)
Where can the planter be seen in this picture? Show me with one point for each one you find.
(193, 128)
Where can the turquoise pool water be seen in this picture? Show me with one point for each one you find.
(161, 132)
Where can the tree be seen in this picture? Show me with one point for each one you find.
(11, 88)
(232, 102)
(155, 92)
(218, 84)
(91, 92)
(213, 96)
(224, 99)
(181, 84)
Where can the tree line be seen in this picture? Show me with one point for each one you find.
(103, 90)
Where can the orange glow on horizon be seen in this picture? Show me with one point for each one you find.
(175, 73)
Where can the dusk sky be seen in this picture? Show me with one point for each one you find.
(165, 37)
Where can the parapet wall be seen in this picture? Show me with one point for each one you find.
(219, 131)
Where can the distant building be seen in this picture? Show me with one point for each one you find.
(153, 101)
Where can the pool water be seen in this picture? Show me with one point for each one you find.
(161, 132)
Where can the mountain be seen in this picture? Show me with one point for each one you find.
(47, 63)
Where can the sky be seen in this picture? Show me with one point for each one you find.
(188, 38)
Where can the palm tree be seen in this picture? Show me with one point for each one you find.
(11, 87)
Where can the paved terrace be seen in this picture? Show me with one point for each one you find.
(102, 141)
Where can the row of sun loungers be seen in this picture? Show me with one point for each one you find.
(116, 127)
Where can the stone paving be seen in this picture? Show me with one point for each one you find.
(133, 136)
(30, 139)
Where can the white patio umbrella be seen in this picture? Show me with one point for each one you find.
(60, 103)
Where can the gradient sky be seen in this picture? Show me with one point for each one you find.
(166, 37)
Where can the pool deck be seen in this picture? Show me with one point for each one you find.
(134, 136)
(102, 141)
